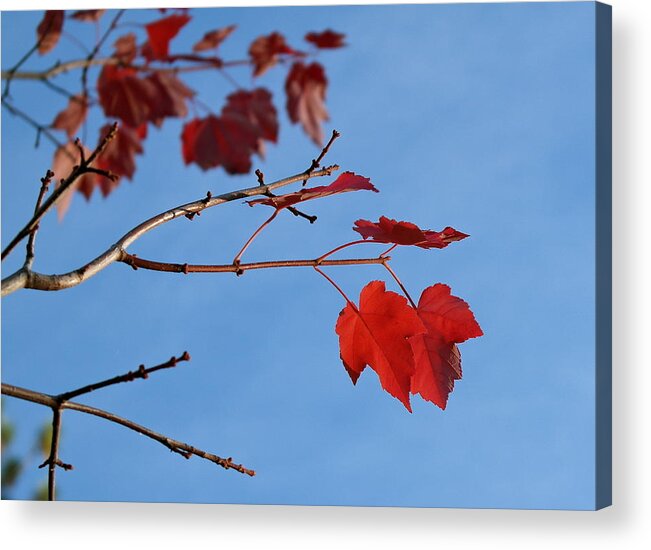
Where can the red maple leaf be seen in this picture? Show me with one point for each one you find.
(65, 158)
(213, 39)
(387, 230)
(377, 334)
(228, 141)
(306, 90)
(169, 97)
(73, 116)
(257, 107)
(119, 155)
(264, 51)
(448, 321)
(135, 100)
(161, 32)
(327, 39)
(124, 95)
(49, 29)
(88, 15)
(348, 181)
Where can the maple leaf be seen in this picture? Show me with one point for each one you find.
(65, 158)
(49, 29)
(161, 32)
(124, 95)
(126, 48)
(119, 155)
(377, 334)
(449, 321)
(73, 116)
(264, 51)
(306, 90)
(348, 181)
(327, 39)
(88, 15)
(213, 39)
(227, 141)
(387, 230)
(257, 107)
(169, 97)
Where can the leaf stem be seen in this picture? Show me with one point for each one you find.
(271, 218)
(348, 300)
(397, 280)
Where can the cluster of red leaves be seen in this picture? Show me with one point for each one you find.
(138, 94)
(412, 350)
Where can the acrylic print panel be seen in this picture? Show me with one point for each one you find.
(486, 130)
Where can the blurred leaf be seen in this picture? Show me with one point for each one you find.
(7, 434)
(44, 440)
(41, 492)
(10, 471)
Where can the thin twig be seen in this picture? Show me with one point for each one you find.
(41, 129)
(45, 183)
(317, 161)
(53, 460)
(30, 279)
(61, 68)
(140, 263)
(173, 445)
(291, 209)
(93, 53)
(11, 73)
(82, 168)
(141, 372)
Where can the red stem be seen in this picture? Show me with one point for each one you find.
(404, 290)
(236, 260)
(348, 300)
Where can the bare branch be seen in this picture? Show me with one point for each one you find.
(173, 445)
(77, 171)
(141, 372)
(95, 50)
(53, 460)
(24, 278)
(41, 129)
(291, 209)
(11, 73)
(317, 161)
(61, 68)
(45, 183)
(137, 263)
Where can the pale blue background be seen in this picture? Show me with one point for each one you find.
(475, 116)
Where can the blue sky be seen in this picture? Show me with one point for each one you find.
(476, 116)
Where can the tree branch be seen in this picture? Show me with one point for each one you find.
(61, 68)
(41, 129)
(24, 278)
(31, 241)
(84, 167)
(173, 445)
(317, 161)
(53, 460)
(95, 50)
(141, 372)
(136, 263)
